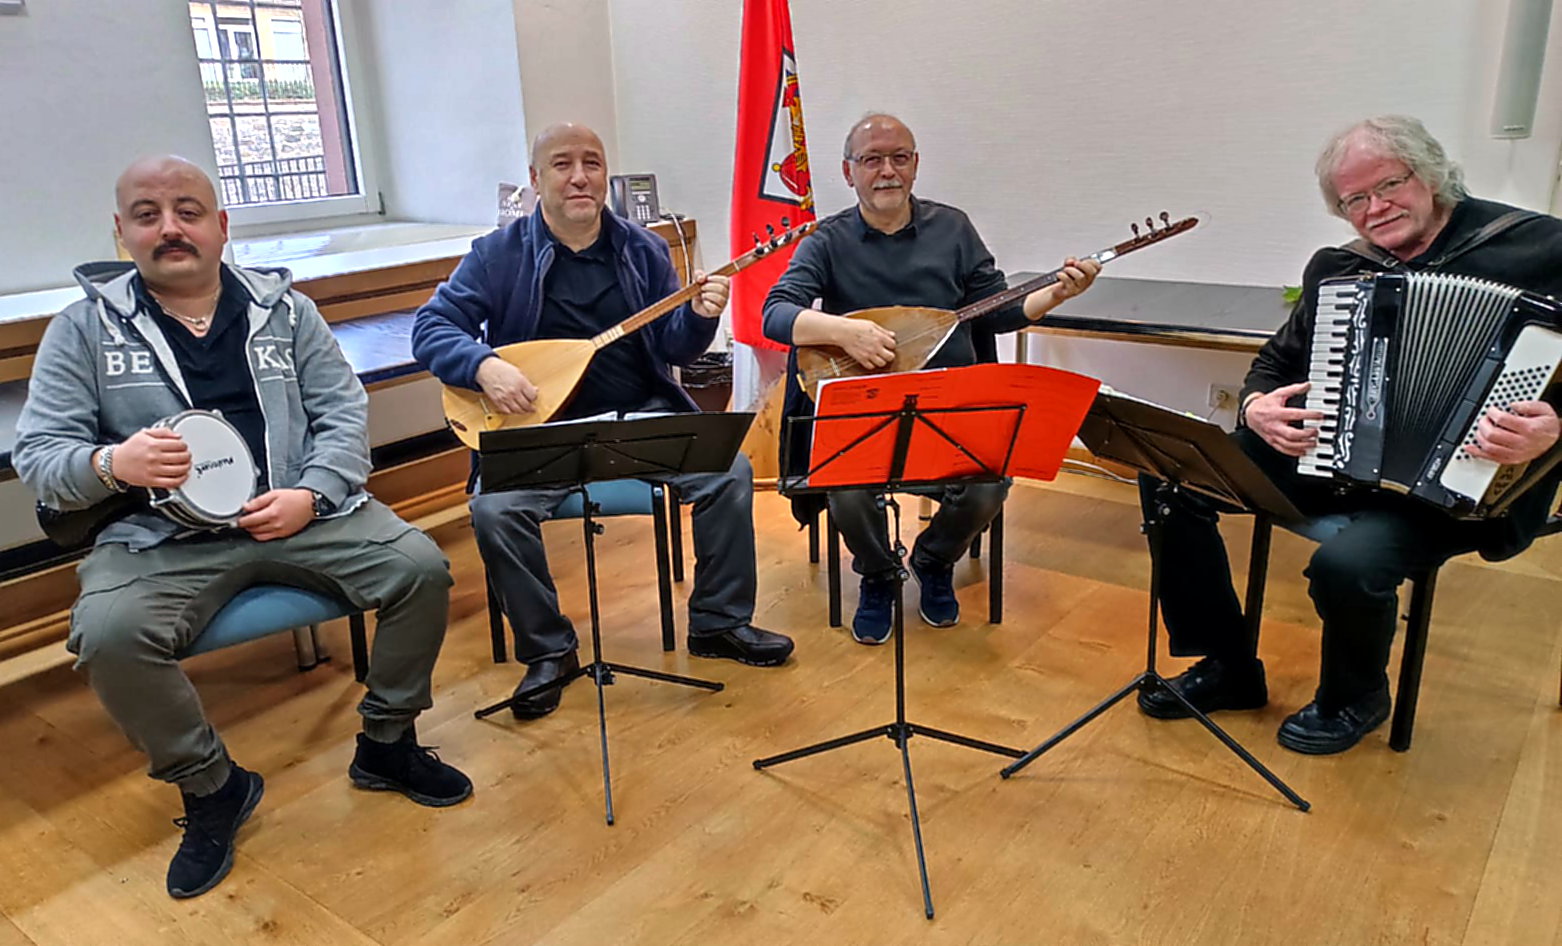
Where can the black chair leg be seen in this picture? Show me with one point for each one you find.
(832, 548)
(976, 546)
(994, 569)
(675, 522)
(360, 643)
(495, 622)
(1417, 624)
(664, 588)
(813, 540)
(1257, 575)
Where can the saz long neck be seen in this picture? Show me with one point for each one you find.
(1007, 297)
(656, 310)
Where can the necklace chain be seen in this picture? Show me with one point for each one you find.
(199, 323)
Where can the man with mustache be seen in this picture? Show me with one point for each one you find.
(896, 249)
(1394, 184)
(572, 270)
(177, 329)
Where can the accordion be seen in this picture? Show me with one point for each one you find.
(1404, 365)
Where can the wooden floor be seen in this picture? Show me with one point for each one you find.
(1133, 832)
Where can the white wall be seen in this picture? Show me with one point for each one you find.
(443, 86)
(89, 87)
(567, 66)
(1054, 124)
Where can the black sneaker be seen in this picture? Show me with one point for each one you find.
(1211, 685)
(406, 767)
(210, 825)
(1315, 731)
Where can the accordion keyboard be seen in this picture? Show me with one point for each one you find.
(1337, 306)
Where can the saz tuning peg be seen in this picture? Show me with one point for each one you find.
(786, 223)
(1166, 219)
(1135, 228)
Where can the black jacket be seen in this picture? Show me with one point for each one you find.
(1527, 255)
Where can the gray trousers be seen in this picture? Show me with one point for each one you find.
(138, 609)
(508, 527)
(964, 510)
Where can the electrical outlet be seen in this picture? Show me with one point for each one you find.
(1223, 396)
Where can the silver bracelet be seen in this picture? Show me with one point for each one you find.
(105, 470)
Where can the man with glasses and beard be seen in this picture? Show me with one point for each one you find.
(1394, 184)
(896, 249)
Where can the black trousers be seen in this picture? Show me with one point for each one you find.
(1353, 577)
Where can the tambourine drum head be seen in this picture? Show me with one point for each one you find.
(222, 473)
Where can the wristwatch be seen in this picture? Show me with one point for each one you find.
(323, 506)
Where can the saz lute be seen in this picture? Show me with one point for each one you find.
(556, 365)
(919, 332)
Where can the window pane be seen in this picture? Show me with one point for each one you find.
(273, 96)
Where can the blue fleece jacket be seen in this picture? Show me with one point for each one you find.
(494, 298)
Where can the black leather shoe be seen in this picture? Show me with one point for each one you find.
(1317, 732)
(1211, 686)
(748, 644)
(543, 671)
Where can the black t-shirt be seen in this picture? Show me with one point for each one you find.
(216, 366)
(580, 298)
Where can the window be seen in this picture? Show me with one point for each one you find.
(276, 99)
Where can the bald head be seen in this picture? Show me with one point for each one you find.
(164, 168)
(169, 222)
(882, 122)
(564, 136)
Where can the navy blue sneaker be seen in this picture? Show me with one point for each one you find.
(875, 611)
(938, 606)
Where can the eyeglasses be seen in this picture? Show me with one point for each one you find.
(873, 162)
(1357, 203)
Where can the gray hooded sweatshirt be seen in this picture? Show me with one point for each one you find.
(104, 370)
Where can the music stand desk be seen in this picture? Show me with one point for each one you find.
(572, 455)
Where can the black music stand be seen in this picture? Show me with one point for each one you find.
(906, 421)
(1186, 454)
(575, 454)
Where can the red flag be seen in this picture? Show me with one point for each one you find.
(770, 177)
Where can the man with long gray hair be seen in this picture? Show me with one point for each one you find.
(1394, 184)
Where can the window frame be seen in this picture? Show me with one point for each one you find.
(366, 205)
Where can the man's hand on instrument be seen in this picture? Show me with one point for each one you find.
(277, 514)
(1519, 434)
(505, 386)
(153, 456)
(868, 343)
(712, 297)
(1075, 277)
(1267, 416)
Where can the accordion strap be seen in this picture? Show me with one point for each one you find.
(1498, 226)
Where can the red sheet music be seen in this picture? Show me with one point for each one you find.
(1055, 403)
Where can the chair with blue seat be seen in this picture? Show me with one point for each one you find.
(262, 610)
(628, 497)
(1418, 616)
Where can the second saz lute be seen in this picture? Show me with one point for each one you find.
(920, 332)
(556, 365)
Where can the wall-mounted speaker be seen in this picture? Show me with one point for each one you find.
(1518, 79)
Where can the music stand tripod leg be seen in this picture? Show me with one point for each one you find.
(900, 730)
(1151, 678)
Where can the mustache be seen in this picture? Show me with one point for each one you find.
(886, 185)
(172, 245)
